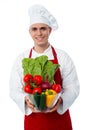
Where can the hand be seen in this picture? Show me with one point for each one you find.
(29, 104)
(56, 105)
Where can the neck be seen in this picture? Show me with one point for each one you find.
(41, 48)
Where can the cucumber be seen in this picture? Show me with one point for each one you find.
(42, 105)
(37, 99)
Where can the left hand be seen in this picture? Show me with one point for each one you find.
(56, 105)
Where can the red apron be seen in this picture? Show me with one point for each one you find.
(49, 121)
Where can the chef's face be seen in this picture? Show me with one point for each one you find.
(40, 33)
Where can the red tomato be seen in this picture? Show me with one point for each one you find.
(56, 87)
(37, 89)
(37, 79)
(27, 78)
(27, 89)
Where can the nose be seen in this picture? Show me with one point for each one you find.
(39, 32)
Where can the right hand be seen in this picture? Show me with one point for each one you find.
(29, 104)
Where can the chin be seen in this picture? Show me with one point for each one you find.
(41, 43)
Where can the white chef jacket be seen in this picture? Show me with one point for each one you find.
(70, 82)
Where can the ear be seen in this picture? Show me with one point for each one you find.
(50, 29)
(29, 29)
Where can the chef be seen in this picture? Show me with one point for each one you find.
(42, 23)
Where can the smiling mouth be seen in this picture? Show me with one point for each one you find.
(39, 38)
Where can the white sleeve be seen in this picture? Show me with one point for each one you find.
(16, 87)
(70, 83)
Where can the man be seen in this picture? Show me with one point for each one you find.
(58, 117)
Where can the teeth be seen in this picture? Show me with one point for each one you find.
(39, 38)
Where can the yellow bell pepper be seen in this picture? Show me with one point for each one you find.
(50, 96)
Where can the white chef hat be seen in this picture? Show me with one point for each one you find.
(39, 14)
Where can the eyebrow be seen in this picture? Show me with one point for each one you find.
(41, 28)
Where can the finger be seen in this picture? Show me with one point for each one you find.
(30, 105)
(55, 107)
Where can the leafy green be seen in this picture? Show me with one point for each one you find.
(41, 66)
(49, 69)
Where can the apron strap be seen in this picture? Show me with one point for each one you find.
(57, 76)
(30, 54)
(55, 61)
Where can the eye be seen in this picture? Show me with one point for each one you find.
(34, 29)
(43, 28)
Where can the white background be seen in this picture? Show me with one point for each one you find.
(14, 39)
